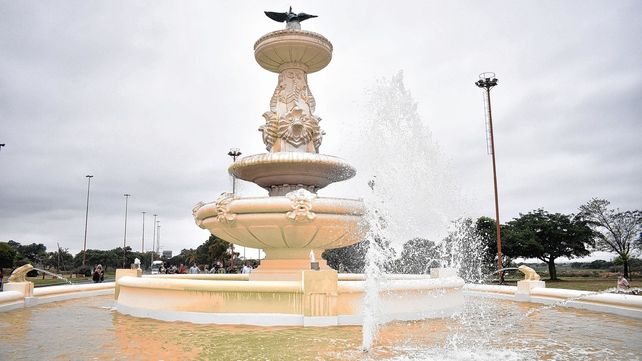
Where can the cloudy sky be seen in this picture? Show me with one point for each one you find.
(148, 97)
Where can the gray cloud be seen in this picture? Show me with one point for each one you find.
(149, 96)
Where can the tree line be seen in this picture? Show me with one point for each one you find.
(14, 254)
(471, 246)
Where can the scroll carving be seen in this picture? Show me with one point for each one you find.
(223, 208)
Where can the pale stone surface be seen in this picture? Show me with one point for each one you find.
(25, 288)
(443, 272)
(524, 288)
(316, 299)
(529, 273)
(124, 272)
(19, 274)
(281, 48)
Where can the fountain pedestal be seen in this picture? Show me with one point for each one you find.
(524, 288)
(25, 288)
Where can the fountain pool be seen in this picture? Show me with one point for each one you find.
(89, 328)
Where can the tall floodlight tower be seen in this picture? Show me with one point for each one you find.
(153, 239)
(487, 81)
(84, 247)
(126, 195)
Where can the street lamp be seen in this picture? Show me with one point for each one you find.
(487, 81)
(84, 247)
(142, 246)
(126, 195)
(234, 153)
(158, 236)
(153, 238)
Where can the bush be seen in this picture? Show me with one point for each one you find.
(84, 270)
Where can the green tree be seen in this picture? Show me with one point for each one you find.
(214, 249)
(547, 237)
(34, 253)
(418, 256)
(7, 255)
(485, 229)
(616, 231)
(60, 260)
(350, 259)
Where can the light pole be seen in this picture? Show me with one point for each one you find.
(126, 195)
(487, 81)
(234, 153)
(84, 247)
(142, 246)
(154, 237)
(158, 236)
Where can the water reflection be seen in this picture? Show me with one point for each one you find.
(88, 329)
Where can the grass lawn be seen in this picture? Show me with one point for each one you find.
(587, 284)
(580, 283)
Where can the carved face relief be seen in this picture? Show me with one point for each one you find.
(298, 128)
(301, 205)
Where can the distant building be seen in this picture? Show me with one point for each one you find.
(167, 254)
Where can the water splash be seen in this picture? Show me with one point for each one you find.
(413, 178)
(413, 192)
(464, 249)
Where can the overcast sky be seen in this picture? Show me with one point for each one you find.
(148, 97)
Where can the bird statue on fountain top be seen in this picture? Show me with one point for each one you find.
(292, 20)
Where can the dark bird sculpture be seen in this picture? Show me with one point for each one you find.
(292, 20)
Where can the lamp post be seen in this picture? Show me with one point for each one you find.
(154, 237)
(126, 195)
(487, 81)
(234, 153)
(84, 247)
(142, 246)
(158, 236)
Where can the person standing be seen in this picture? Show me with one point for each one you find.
(193, 269)
(1, 277)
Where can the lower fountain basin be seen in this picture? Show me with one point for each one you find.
(320, 298)
(285, 228)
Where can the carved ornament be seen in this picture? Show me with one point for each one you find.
(20, 273)
(223, 208)
(301, 205)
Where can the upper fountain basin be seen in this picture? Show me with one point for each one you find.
(282, 49)
(284, 171)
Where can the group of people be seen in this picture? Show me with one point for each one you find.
(173, 269)
(217, 267)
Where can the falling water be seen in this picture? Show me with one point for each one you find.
(53, 274)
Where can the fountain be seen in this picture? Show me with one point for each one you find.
(295, 287)
(293, 225)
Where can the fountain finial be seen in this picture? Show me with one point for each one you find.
(292, 20)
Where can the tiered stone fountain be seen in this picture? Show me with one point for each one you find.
(292, 224)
